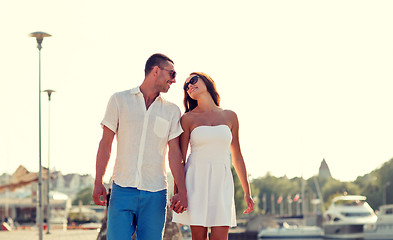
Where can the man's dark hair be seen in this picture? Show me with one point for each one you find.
(157, 59)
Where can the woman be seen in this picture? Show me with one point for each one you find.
(213, 134)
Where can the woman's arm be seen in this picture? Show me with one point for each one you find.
(238, 162)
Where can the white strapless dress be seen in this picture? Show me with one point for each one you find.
(209, 181)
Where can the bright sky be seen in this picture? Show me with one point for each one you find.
(308, 79)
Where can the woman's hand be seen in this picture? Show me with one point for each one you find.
(250, 204)
(177, 204)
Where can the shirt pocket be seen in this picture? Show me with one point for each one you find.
(161, 127)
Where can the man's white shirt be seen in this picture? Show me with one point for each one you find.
(142, 137)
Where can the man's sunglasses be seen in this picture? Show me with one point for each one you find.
(172, 73)
(192, 81)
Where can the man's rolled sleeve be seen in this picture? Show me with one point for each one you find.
(111, 117)
(176, 128)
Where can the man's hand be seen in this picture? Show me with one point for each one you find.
(179, 203)
(99, 191)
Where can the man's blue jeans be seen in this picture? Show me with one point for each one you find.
(130, 209)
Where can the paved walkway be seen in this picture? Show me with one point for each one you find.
(55, 235)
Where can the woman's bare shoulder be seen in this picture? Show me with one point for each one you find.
(187, 116)
(186, 120)
(230, 114)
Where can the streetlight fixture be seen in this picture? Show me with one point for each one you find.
(49, 92)
(39, 37)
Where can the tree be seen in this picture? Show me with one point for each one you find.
(240, 204)
(84, 195)
(269, 185)
(333, 188)
(375, 183)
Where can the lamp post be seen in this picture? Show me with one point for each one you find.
(49, 92)
(39, 37)
(384, 192)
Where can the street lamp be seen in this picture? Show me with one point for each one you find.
(49, 92)
(39, 37)
(384, 192)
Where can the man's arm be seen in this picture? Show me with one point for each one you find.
(177, 169)
(184, 141)
(103, 155)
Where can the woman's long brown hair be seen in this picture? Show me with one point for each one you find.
(190, 103)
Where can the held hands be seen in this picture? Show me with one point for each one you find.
(250, 204)
(179, 203)
(99, 190)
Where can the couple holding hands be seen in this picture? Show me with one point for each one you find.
(146, 126)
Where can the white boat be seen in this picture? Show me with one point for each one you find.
(346, 217)
(383, 228)
(285, 231)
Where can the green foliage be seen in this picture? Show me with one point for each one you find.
(334, 187)
(269, 185)
(85, 195)
(371, 185)
(374, 184)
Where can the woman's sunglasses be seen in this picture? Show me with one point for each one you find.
(172, 73)
(192, 81)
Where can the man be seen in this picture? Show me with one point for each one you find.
(144, 125)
